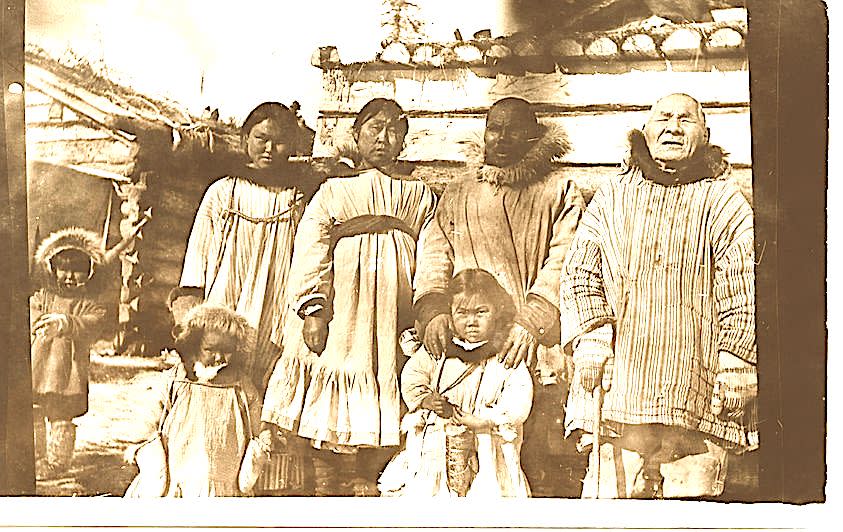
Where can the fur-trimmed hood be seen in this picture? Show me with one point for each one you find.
(709, 162)
(535, 165)
(346, 161)
(75, 238)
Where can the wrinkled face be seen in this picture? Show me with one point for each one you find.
(474, 317)
(268, 144)
(216, 348)
(381, 139)
(676, 130)
(508, 137)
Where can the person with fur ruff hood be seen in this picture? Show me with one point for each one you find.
(514, 219)
(658, 308)
(65, 319)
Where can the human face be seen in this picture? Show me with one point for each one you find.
(216, 348)
(474, 317)
(70, 278)
(507, 137)
(268, 144)
(676, 130)
(380, 139)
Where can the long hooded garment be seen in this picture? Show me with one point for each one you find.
(483, 387)
(665, 261)
(514, 222)
(60, 363)
(239, 254)
(355, 254)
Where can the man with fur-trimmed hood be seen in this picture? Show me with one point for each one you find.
(658, 308)
(513, 218)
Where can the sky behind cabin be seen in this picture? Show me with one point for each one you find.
(232, 55)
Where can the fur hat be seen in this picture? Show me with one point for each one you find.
(216, 318)
(71, 238)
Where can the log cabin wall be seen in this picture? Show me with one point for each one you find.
(99, 165)
(68, 155)
(596, 85)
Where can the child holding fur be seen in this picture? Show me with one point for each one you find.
(465, 403)
(65, 319)
(209, 413)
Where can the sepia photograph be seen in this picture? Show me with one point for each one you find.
(489, 250)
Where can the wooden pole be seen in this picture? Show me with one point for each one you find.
(596, 412)
(16, 452)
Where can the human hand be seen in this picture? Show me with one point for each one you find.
(265, 439)
(51, 325)
(438, 404)
(437, 334)
(520, 346)
(735, 386)
(593, 359)
(588, 372)
(315, 333)
(471, 421)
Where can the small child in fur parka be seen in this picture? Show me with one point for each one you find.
(64, 321)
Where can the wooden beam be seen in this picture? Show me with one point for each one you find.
(82, 152)
(63, 131)
(99, 172)
(466, 90)
(97, 108)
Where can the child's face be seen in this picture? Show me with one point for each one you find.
(474, 317)
(268, 144)
(216, 348)
(70, 278)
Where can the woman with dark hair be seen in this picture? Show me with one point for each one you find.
(241, 244)
(337, 380)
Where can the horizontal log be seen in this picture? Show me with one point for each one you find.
(596, 138)
(36, 98)
(124, 169)
(463, 89)
(82, 152)
(59, 131)
(95, 107)
(37, 112)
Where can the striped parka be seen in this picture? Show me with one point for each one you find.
(671, 268)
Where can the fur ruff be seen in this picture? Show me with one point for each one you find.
(75, 238)
(535, 164)
(346, 161)
(708, 163)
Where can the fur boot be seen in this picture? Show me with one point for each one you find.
(39, 426)
(60, 446)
